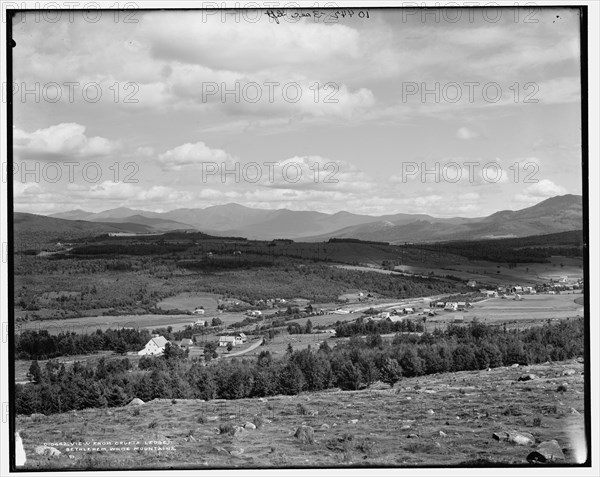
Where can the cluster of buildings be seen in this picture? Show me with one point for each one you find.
(450, 305)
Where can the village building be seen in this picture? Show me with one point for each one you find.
(238, 339)
(154, 347)
(451, 306)
(185, 343)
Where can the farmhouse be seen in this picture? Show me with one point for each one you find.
(199, 311)
(234, 340)
(459, 319)
(409, 310)
(185, 343)
(472, 283)
(451, 306)
(154, 347)
(461, 305)
(440, 304)
(384, 314)
(199, 323)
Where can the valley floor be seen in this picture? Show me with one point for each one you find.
(436, 420)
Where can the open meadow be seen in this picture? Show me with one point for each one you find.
(443, 419)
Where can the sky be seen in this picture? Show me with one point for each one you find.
(443, 112)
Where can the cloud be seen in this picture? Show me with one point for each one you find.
(64, 140)
(535, 193)
(189, 154)
(466, 133)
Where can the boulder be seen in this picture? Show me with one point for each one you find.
(249, 426)
(568, 372)
(352, 421)
(305, 434)
(500, 436)
(47, 451)
(443, 434)
(412, 436)
(516, 365)
(211, 418)
(430, 411)
(136, 402)
(527, 377)
(220, 450)
(574, 411)
(521, 438)
(238, 431)
(237, 452)
(324, 426)
(548, 451)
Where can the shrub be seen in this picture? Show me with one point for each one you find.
(227, 428)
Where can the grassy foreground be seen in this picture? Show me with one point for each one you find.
(442, 419)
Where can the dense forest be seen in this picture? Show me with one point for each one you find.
(132, 284)
(536, 248)
(350, 365)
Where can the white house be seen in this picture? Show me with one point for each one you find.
(409, 310)
(154, 347)
(234, 340)
(199, 311)
(384, 314)
(255, 313)
(225, 340)
(199, 323)
(451, 306)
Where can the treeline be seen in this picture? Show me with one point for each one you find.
(351, 365)
(369, 327)
(216, 264)
(42, 345)
(139, 248)
(538, 248)
(353, 240)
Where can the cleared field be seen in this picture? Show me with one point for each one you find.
(190, 301)
(530, 308)
(279, 344)
(501, 274)
(93, 323)
(443, 419)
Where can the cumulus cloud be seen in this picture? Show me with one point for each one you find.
(535, 193)
(466, 133)
(191, 154)
(64, 140)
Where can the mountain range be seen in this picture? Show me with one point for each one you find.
(557, 214)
